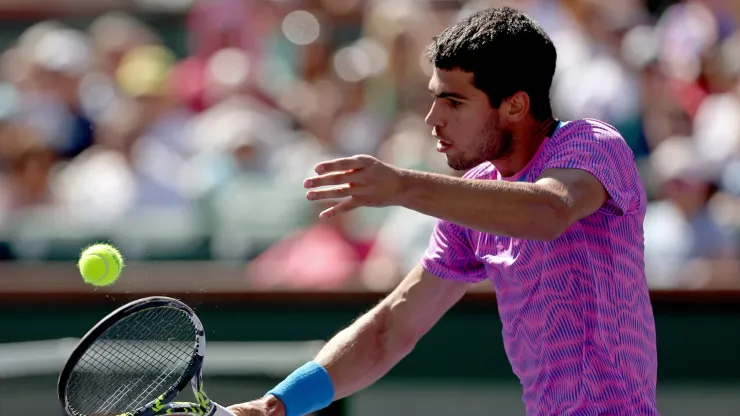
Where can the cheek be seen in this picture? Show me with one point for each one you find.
(472, 123)
(482, 127)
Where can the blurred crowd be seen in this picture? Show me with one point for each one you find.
(107, 131)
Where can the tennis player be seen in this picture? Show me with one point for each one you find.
(550, 212)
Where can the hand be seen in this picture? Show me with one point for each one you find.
(267, 406)
(367, 182)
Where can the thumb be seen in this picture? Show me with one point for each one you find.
(342, 207)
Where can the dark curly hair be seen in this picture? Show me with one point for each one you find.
(506, 51)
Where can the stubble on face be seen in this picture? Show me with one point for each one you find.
(491, 143)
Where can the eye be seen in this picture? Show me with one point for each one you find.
(454, 103)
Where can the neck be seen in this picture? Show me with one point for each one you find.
(526, 144)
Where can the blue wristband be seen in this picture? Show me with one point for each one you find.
(306, 390)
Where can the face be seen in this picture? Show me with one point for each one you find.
(469, 131)
(689, 195)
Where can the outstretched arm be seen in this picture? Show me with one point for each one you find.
(367, 349)
(537, 211)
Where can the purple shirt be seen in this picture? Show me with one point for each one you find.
(578, 326)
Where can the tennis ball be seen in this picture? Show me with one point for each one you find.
(100, 264)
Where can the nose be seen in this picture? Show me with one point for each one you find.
(434, 117)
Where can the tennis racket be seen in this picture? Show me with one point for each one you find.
(136, 360)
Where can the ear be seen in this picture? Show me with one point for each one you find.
(516, 107)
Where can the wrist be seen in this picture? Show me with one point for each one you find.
(306, 390)
(408, 187)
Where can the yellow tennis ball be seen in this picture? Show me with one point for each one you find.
(100, 264)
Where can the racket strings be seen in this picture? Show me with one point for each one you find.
(138, 359)
(151, 385)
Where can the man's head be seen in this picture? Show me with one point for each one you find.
(492, 74)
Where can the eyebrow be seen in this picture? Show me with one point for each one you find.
(448, 95)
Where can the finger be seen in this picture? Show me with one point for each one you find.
(337, 192)
(335, 178)
(341, 208)
(343, 164)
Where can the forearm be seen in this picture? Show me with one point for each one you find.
(353, 359)
(513, 209)
(362, 353)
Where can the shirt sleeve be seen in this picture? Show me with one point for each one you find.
(451, 256)
(600, 150)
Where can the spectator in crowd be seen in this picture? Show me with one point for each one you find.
(684, 244)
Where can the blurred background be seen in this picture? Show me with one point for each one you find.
(181, 131)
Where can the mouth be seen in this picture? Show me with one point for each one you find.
(443, 146)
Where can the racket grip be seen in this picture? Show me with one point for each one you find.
(220, 411)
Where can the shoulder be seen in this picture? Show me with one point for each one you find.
(598, 148)
(592, 138)
(588, 131)
(485, 170)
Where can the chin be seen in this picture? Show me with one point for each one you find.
(459, 164)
